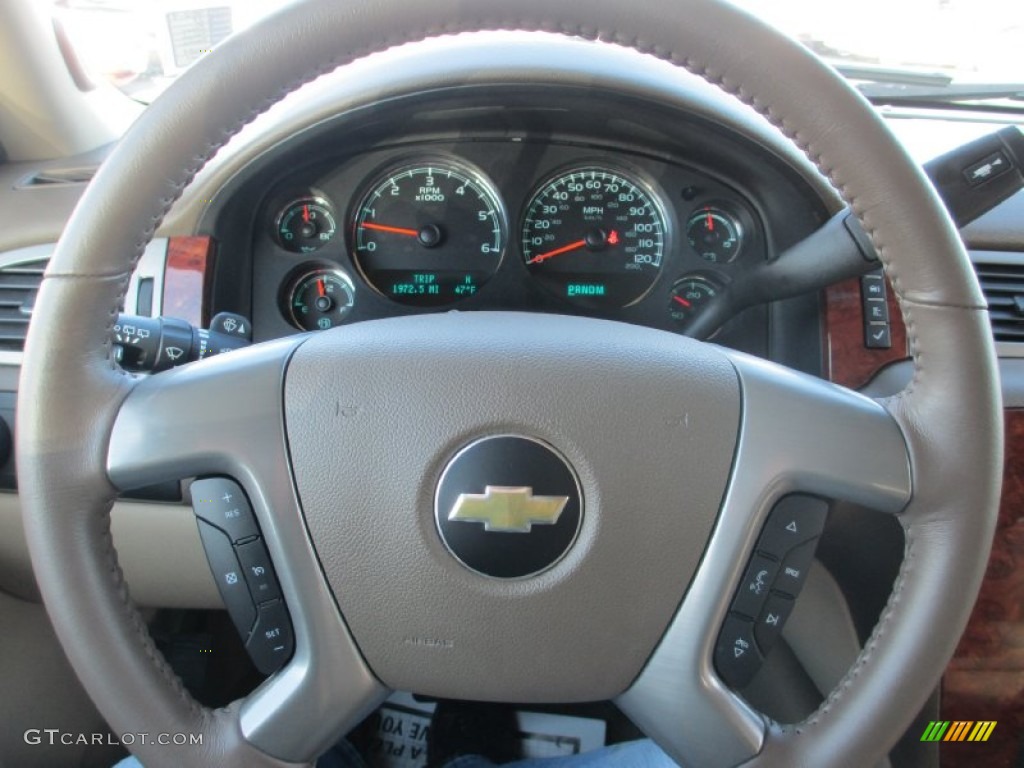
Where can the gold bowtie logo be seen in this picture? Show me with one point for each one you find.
(508, 510)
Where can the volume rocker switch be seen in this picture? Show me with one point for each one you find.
(221, 502)
(737, 657)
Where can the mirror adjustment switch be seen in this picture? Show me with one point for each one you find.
(737, 658)
(271, 643)
(221, 502)
(769, 624)
(227, 573)
(259, 573)
(753, 589)
(794, 520)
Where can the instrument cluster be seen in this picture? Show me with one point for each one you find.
(492, 224)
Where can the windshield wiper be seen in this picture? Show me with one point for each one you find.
(952, 94)
(875, 75)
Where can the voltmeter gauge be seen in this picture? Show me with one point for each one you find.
(306, 224)
(688, 296)
(715, 234)
(320, 299)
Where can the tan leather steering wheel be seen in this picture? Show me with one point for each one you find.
(931, 455)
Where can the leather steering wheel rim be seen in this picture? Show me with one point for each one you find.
(71, 390)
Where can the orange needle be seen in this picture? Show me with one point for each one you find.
(557, 252)
(394, 230)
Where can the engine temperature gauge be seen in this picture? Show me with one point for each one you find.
(320, 299)
(688, 296)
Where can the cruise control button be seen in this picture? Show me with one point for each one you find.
(221, 502)
(753, 589)
(227, 573)
(769, 623)
(271, 643)
(259, 573)
(793, 572)
(794, 520)
(737, 658)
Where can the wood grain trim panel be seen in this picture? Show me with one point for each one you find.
(985, 679)
(188, 279)
(847, 360)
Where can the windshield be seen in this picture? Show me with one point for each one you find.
(142, 45)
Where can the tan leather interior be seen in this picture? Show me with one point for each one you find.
(70, 389)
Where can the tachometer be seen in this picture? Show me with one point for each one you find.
(595, 236)
(429, 233)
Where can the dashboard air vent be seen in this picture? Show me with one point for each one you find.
(1003, 286)
(58, 176)
(19, 284)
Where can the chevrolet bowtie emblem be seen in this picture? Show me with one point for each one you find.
(508, 509)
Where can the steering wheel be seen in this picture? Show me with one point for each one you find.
(341, 440)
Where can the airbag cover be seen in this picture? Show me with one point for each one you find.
(647, 420)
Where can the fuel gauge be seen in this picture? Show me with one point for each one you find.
(306, 224)
(688, 297)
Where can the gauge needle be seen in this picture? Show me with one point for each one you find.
(681, 300)
(394, 230)
(320, 287)
(558, 252)
(305, 213)
(711, 222)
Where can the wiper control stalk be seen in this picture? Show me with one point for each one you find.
(152, 344)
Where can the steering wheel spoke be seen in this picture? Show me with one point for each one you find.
(801, 434)
(798, 434)
(224, 417)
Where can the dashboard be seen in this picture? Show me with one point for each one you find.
(521, 224)
(535, 199)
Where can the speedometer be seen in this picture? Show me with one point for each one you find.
(595, 236)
